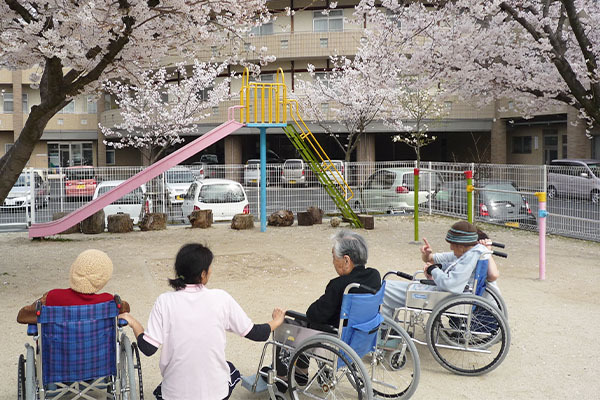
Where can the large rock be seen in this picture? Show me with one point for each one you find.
(242, 221)
(93, 224)
(153, 222)
(281, 218)
(74, 229)
(201, 218)
(316, 213)
(120, 223)
(305, 219)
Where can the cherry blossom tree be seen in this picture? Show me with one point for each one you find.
(76, 46)
(355, 92)
(538, 53)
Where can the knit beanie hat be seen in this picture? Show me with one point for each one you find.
(90, 271)
(463, 233)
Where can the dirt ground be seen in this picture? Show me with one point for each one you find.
(555, 351)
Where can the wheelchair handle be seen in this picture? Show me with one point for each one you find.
(400, 274)
(496, 244)
(499, 254)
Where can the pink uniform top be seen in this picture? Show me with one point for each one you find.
(190, 326)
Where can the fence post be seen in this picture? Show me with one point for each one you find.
(542, 214)
(61, 189)
(416, 199)
(470, 189)
(430, 194)
(31, 195)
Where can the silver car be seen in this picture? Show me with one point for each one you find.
(392, 189)
(574, 177)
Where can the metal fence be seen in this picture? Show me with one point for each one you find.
(504, 194)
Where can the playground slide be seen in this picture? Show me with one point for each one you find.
(209, 138)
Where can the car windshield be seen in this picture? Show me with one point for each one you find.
(221, 193)
(427, 181)
(180, 176)
(253, 164)
(502, 197)
(22, 181)
(595, 167)
(79, 174)
(135, 197)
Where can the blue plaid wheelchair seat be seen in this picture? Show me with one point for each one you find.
(78, 342)
(362, 312)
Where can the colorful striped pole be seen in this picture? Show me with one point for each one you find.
(542, 214)
(416, 213)
(470, 190)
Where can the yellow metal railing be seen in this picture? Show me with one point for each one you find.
(267, 103)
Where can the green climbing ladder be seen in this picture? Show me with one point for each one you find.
(308, 152)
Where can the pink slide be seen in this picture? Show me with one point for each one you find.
(209, 138)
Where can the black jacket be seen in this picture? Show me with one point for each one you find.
(326, 309)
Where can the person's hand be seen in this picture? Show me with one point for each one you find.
(127, 317)
(425, 270)
(426, 251)
(487, 243)
(278, 316)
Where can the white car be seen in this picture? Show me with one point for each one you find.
(178, 180)
(131, 203)
(224, 197)
(334, 176)
(20, 194)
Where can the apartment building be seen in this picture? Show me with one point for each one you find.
(307, 36)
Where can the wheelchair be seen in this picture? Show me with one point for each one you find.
(468, 334)
(80, 351)
(366, 357)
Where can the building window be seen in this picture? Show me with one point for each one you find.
(214, 51)
(164, 97)
(324, 109)
(322, 77)
(25, 104)
(68, 109)
(521, 145)
(8, 102)
(92, 107)
(107, 102)
(60, 121)
(564, 146)
(284, 44)
(448, 106)
(264, 29)
(7, 147)
(84, 122)
(267, 78)
(324, 42)
(110, 157)
(203, 94)
(332, 22)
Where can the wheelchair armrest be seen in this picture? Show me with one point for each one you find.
(429, 282)
(122, 322)
(296, 315)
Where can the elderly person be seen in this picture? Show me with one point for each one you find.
(451, 271)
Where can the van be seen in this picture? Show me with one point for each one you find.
(574, 177)
(224, 197)
(294, 172)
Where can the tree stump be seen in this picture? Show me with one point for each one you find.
(153, 222)
(316, 213)
(120, 223)
(74, 229)
(281, 218)
(201, 218)
(305, 219)
(335, 222)
(367, 221)
(242, 221)
(93, 224)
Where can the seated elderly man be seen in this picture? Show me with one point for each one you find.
(451, 271)
(349, 253)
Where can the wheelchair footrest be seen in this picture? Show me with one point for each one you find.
(248, 381)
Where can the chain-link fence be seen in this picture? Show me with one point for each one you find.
(504, 194)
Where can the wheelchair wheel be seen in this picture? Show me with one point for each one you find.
(21, 378)
(493, 295)
(468, 335)
(127, 371)
(324, 367)
(394, 365)
(30, 376)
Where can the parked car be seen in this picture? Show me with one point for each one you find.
(20, 194)
(392, 189)
(198, 169)
(178, 180)
(80, 182)
(131, 203)
(331, 174)
(575, 177)
(224, 197)
(296, 171)
(252, 172)
(498, 202)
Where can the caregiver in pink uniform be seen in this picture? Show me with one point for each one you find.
(190, 324)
